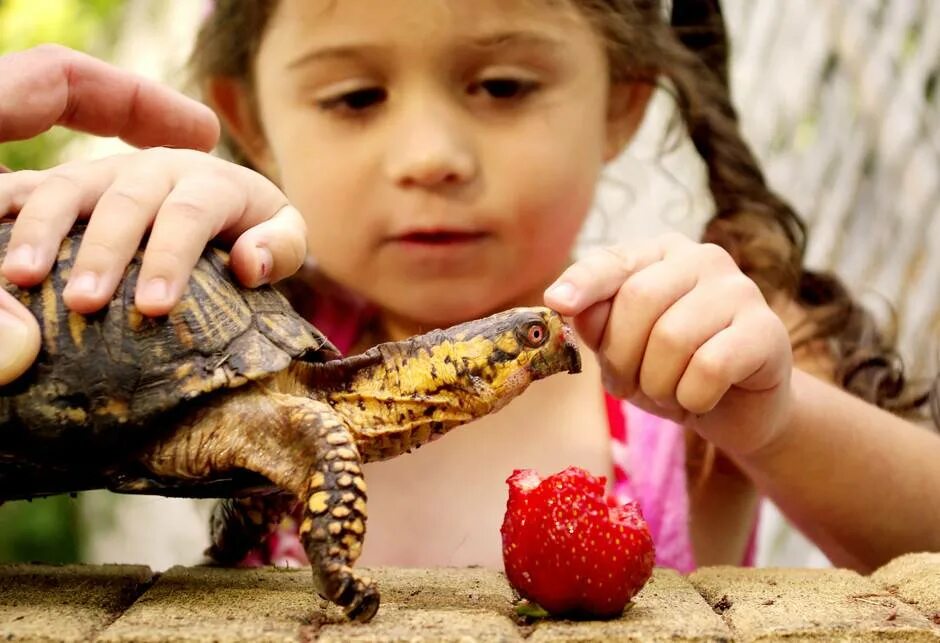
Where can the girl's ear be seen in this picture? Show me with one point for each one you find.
(626, 107)
(235, 105)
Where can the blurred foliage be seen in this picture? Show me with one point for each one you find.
(45, 529)
(87, 25)
(48, 529)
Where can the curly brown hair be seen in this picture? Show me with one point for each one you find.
(688, 49)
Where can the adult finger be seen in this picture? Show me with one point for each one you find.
(19, 338)
(72, 89)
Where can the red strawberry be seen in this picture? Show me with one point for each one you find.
(570, 549)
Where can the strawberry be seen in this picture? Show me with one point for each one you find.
(571, 550)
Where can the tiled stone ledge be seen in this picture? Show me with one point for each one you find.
(901, 601)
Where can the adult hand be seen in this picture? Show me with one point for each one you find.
(52, 85)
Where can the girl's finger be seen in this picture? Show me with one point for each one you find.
(192, 214)
(115, 229)
(750, 354)
(687, 325)
(19, 338)
(49, 213)
(599, 275)
(271, 250)
(15, 189)
(642, 299)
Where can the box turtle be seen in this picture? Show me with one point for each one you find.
(233, 395)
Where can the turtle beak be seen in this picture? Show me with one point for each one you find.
(572, 354)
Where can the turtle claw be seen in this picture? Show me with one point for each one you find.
(358, 597)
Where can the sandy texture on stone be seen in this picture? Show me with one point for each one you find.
(395, 623)
(65, 603)
(808, 604)
(668, 608)
(915, 579)
(214, 604)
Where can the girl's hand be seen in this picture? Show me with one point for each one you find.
(681, 332)
(188, 198)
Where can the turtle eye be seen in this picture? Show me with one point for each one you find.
(536, 334)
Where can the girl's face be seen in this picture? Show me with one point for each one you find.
(444, 153)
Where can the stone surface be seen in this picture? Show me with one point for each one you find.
(215, 604)
(808, 604)
(399, 623)
(65, 603)
(915, 579)
(667, 609)
(112, 604)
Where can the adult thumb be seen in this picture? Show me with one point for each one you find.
(19, 338)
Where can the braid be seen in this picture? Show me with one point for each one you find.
(761, 231)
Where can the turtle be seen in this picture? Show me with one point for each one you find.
(233, 395)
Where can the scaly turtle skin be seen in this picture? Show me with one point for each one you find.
(233, 395)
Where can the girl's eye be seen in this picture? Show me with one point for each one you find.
(504, 88)
(355, 101)
(536, 335)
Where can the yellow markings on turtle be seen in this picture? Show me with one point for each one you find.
(357, 526)
(360, 506)
(116, 408)
(341, 512)
(181, 328)
(79, 416)
(219, 302)
(348, 498)
(317, 480)
(337, 438)
(359, 483)
(346, 453)
(335, 528)
(183, 370)
(77, 326)
(135, 319)
(305, 527)
(344, 480)
(50, 310)
(317, 503)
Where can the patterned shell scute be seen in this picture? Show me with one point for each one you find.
(116, 367)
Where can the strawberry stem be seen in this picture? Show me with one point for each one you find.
(532, 610)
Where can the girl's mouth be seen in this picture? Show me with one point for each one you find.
(439, 238)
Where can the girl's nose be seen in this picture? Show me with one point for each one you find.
(431, 150)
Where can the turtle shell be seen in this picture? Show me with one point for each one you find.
(99, 375)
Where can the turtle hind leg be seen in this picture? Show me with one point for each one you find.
(239, 525)
(303, 448)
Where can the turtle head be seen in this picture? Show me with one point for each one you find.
(499, 356)
(403, 394)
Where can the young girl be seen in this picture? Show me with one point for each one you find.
(444, 156)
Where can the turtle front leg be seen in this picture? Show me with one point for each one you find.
(305, 449)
